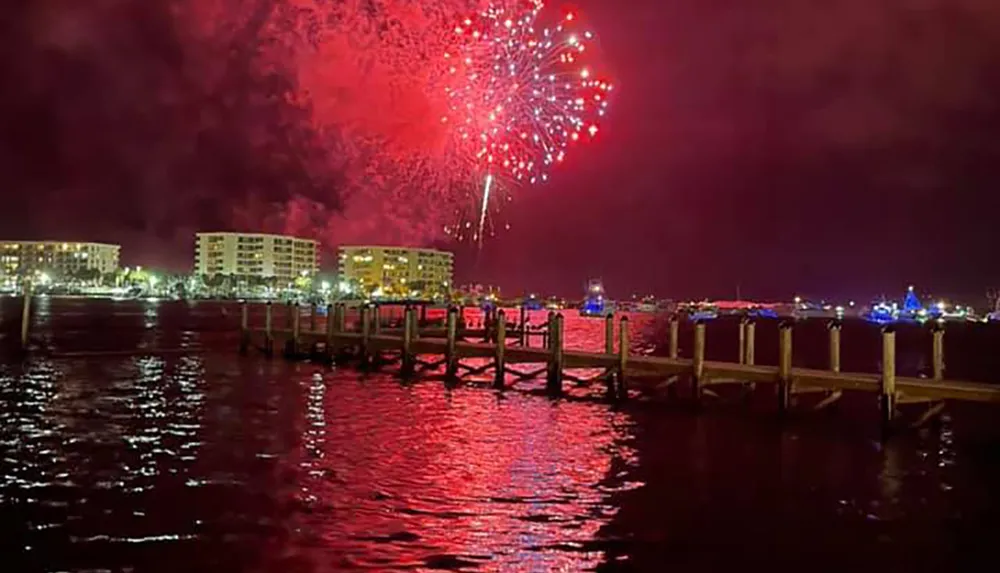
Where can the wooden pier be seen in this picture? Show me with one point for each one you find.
(415, 350)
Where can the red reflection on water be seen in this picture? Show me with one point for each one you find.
(422, 476)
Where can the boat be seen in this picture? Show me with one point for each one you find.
(532, 303)
(885, 312)
(762, 312)
(594, 303)
(701, 311)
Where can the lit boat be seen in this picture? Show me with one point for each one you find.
(761, 312)
(701, 311)
(532, 303)
(884, 312)
(594, 303)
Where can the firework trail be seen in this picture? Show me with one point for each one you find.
(521, 94)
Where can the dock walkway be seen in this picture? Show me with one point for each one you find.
(502, 344)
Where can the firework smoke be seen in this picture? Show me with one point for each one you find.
(315, 117)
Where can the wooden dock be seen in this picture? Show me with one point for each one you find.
(416, 350)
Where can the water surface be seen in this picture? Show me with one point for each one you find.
(202, 460)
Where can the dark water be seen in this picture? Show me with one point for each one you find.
(206, 461)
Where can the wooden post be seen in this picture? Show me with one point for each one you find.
(26, 315)
(366, 326)
(749, 354)
(376, 329)
(268, 330)
(555, 355)
(331, 326)
(609, 348)
(524, 326)
(623, 348)
(674, 336)
(406, 360)
(547, 335)
(609, 333)
(313, 311)
(415, 325)
(292, 345)
(698, 362)
(784, 366)
(741, 353)
(487, 323)
(937, 358)
(887, 401)
(500, 363)
(244, 328)
(341, 318)
(451, 360)
(834, 328)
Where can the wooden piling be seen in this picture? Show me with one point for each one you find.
(366, 328)
(376, 329)
(244, 328)
(331, 326)
(487, 324)
(741, 351)
(415, 325)
(313, 311)
(749, 355)
(547, 335)
(268, 329)
(292, 344)
(26, 315)
(500, 364)
(341, 318)
(524, 325)
(834, 328)
(555, 370)
(887, 396)
(406, 359)
(623, 348)
(937, 352)
(609, 348)
(674, 336)
(832, 395)
(698, 360)
(450, 357)
(784, 366)
(609, 333)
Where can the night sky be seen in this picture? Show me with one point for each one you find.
(842, 148)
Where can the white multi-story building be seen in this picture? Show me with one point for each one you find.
(58, 259)
(254, 255)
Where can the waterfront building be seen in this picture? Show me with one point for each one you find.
(395, 272)
(58, 260)
(255, 255)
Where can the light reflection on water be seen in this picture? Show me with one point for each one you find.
(212, 461)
